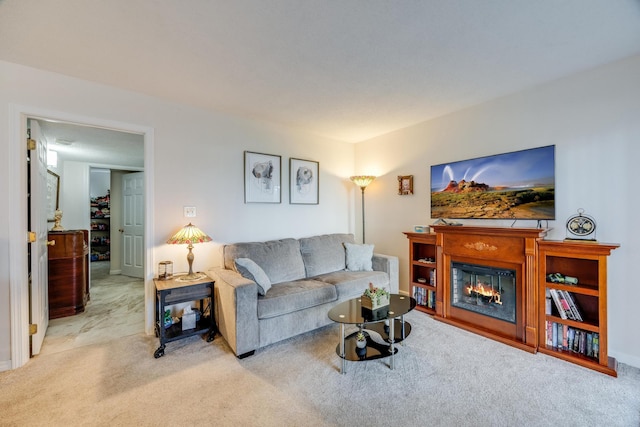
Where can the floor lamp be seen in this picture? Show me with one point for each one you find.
(362, 181)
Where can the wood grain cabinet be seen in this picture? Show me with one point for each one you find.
(573, 317)
(423, 279)
(68, 272)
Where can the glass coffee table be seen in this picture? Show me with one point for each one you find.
(376, 326)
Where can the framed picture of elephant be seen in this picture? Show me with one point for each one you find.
(303, 182)
(262, 178)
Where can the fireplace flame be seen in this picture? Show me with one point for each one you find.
(485, 290)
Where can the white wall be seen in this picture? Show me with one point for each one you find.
(99, 182)
(593, 118)
(197, 161)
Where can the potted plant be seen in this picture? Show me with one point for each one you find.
(361, 340)
(374, 298)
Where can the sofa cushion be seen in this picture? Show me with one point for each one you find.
(280, 259)
(324, 254)
(351, 284)
(359, 257)
(252, 271)
(288, 297)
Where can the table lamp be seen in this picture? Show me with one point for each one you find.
(189, 234)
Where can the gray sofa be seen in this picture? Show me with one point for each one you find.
(270, 291)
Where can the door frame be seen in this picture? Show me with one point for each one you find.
(17, 205)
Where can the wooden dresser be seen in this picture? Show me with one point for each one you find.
(68, 272)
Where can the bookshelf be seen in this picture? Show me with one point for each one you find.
(101, 228)
(423, 272)
(573, 317)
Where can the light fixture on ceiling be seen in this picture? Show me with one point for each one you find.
(63, 141)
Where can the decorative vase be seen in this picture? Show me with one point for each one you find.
(361, 343)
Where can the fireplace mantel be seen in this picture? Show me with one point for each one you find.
(499, 247)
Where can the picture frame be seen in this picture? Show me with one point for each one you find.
(304, 182)
(262, 178)
(53, 195)
(405, 185)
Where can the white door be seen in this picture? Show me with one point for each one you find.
(133, 225)
(39, 282)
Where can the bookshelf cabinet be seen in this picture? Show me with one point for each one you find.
(100, 228)
(423, 272)
(573, 316)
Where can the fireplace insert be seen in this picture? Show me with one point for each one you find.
(485, 290)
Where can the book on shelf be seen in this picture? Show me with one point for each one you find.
(432, 277)
(573, 306)
(547, 302)
(559, 307)
(424, 297)
(566, 338)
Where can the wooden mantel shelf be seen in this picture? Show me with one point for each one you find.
(492, 231)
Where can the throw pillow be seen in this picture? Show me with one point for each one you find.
(252, 271)
(359, 257)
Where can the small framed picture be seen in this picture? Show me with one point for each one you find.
(303, 182)
(53, 195)
(405, 185)
(262, 178)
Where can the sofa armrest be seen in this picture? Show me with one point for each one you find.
(388, 264)
(236, 301)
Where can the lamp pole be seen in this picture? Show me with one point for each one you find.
(363, 188)
(362, 181)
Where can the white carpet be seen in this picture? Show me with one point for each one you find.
(444, 376)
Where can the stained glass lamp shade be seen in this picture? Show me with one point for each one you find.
(188, 235)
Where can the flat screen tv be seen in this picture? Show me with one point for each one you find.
(516, 185)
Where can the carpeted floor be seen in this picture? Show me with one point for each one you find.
(444, 376)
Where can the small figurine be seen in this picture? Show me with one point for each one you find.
(57, 217)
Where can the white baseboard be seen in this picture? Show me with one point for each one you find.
(627, 359)
(115, 271)
(5, 365)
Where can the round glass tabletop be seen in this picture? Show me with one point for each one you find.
(351, 311)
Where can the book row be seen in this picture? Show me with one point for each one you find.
(565, 304)
(424, 297)
(564, 337)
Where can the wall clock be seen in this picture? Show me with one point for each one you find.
(581, 227)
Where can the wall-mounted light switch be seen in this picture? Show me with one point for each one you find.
(189, 211)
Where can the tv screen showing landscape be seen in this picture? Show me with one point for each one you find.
(516, 185)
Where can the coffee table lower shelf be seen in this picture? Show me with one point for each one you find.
(374, 349)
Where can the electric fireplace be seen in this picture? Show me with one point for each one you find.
(489, 281)
(484, 290)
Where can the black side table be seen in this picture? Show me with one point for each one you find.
(173, 291)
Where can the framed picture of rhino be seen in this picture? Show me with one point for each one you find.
(303, 182)
(262, 178)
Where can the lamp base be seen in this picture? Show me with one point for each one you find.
(190, 277)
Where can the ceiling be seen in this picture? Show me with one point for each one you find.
(98, 146)
(348, 70)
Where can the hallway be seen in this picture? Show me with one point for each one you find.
(116, 309)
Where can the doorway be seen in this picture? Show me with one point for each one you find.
(115, 306)
(19, 289)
